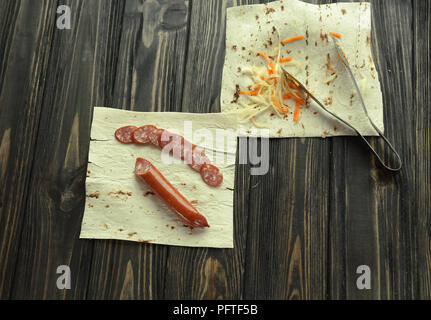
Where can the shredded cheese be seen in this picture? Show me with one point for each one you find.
(270, 85)
(331, 78)
(258, 124)
(296, 64)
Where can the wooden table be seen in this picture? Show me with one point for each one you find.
(301, 231)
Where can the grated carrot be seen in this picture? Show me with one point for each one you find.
(287, 59)
(271, 68)
(296, 112)
(264, 55)
(249, 93)
(291, 39)
(335, 34)
(279, 106)
(276, 103)
(295, 97)
(288, 96)
(275, 80)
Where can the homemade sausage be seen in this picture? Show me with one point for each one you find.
(141, 134)
(211, 175)
(169, 195)
(124, 134)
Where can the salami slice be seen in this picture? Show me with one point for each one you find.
(181, 148)
(196, 159)
(211, 175)
(167, 137)
(154, 135)
(124, 134)
(141, 134)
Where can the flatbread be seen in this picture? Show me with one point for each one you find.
(254, 28)
(120, 206)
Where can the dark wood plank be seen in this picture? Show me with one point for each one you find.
(152, 55)
(26, 30)
(372, 216)
(206, 273)
(149, 77)
(205, 56)
(8, 11)
(287, 227)
(324, 208)
(75, 82)
(421, 117)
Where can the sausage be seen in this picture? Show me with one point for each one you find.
(168, 137)
(211, 175)
(141, 134)
(196, 159)
(169, 195)
(124, 134)
(154, 136)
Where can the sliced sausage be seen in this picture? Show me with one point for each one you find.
(154, 136)
(211, 175)
(196, 159)
(167, 137)
(169, 194)
(181, 148)
(124, 134)
(141, 134)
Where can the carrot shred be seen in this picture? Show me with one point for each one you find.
(296, 112)
(276, 103)
(271, 67)
(249, 93)
(264, 55)
(262, 78)
(279, 106)
(257, 87)
(287, 59)
(335, 34)
(288, 96)
(275, 80)
(295, 97)
(291, 39)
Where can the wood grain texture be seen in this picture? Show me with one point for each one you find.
(373, 218)
(287, 227)
(149, 77)
(27, 35)
(300, 231)
(56, 189)
(152, 55)
(421, 131)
